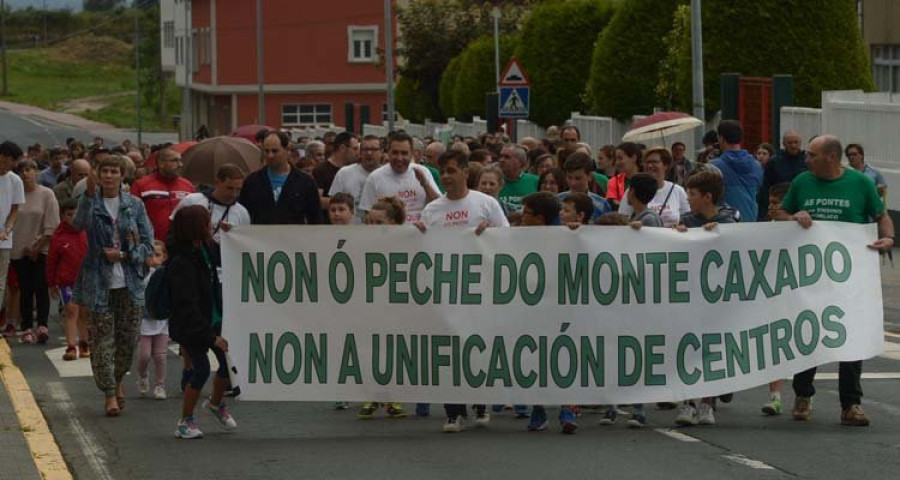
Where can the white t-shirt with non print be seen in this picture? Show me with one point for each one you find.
(468, 211)
(383, 182)
(351, 180)
(675, 207)
(118, 273)
(12, 192)
(237, 214)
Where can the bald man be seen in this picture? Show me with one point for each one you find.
(78, 170)
(828, 191)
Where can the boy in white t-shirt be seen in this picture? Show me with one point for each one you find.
(12, 195)
(461, 207)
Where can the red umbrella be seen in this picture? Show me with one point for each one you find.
(150, 162)
(249, 131)
(660, 125)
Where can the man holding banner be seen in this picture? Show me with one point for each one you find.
(828, 191)
(461, 207)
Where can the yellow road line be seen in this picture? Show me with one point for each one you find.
(44, 450)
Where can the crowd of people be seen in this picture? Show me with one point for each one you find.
(95, 227)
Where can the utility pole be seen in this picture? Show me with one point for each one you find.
(5, 88)
(137, 70)
(697, 64)
(495, 12)
(260, 66)
(389, 61)
(46, 40)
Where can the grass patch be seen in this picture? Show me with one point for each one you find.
(48, 78)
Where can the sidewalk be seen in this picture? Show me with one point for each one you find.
(15, 457)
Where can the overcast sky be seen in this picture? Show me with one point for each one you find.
(51, 4)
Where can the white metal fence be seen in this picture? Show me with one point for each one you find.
(805, 121)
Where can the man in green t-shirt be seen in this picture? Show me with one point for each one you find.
(828, 191)
(516, 183)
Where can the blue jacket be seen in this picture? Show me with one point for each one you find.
(92, 286)
(743, 176)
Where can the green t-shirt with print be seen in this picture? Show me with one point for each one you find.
(601, 180)
(436, 174)
(513, 190)
(850, 198)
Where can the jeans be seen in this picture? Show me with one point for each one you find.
(848, 383)
(33, 285)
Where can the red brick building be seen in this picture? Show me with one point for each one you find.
(318, 56)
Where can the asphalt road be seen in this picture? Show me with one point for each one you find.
(311, 440)
(30, 129)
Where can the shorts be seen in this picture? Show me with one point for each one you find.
(65, 295)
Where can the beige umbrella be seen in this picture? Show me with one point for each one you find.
(203, 159)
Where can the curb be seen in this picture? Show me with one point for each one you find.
(46, 454)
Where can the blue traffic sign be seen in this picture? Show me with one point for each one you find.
(514, 101)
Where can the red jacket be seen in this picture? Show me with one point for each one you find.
(160, 196)
(67, 250)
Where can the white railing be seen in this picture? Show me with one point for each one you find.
(598, 131)
(524, 128)
(805, 121)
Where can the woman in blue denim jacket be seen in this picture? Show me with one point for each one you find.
(110, 282)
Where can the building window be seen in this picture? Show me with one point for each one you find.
(886, 67)
(362, 43)
(169, 34)
(306, 114)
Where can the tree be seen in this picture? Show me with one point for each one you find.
(477, 75)
(674, 91)
(627, 58)
(557, 42)
(411, 102)
(821, 47)
(101, 5)
(448, 86)
(435, 31)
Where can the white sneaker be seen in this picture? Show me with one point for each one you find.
(223, 416)
(482, 418)
(705, 414)
(187, 428)
(143, 385)
(687, 415)
(159, 392)
(454, 425)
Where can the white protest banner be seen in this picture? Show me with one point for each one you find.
(601, 315)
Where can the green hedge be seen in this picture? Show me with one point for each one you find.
(477, 75)
(448, 86)
(413, 102)
(627, 57)
(821, 46)
(558, 38)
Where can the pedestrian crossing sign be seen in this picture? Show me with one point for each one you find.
(514, 102)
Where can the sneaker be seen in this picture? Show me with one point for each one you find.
(609, 416)
(453, 425)
(341, 405)
(367, 410)
(705, 415)
(482, 417)
(773, 407)
(27, 337)
(854, 416)
(521, 412)
(638, 418)
(802, 408)
(538, 421)
(727, 398)
(187, 428)
(423, 409)
(687, 415)
(71, 354)
(159, 392)
(567, 421)
(395, 410)
(223, 416)
(43, 335)
(143, 384)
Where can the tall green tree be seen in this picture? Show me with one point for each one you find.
(477, 75)
(101, 5)
(627, 58)
(558, 39)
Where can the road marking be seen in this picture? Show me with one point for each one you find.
(44, 450)
(80, 367)
(675, 434)
(93, 452)
(865, 376)
(892, 335)
(748, 462)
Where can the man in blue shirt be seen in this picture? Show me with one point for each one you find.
(741, 173)
(857, 158)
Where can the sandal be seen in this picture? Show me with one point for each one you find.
(83, 350)
(71, 354)
(113, 411)
(27, 337)
(43, 335)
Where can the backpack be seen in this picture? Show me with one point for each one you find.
(157, 298)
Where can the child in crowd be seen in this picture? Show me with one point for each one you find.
(640, 193)
(154, 340)
(579, 167)
(776, 195)
(577, 209)
(67, 250)
(704, 191)
(538, 210)
(340, 212)
(386, 211)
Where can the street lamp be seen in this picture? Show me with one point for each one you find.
(697, 64)
(389, 61)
